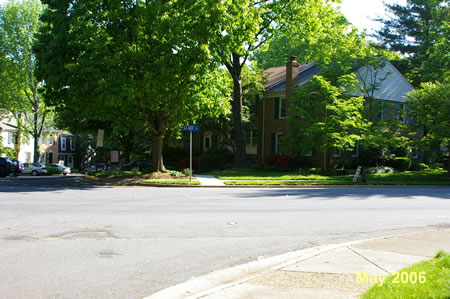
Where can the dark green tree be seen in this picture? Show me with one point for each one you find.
(420, 31)
(429, 106)
(153, 56)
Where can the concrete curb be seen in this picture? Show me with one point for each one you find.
(219, 280)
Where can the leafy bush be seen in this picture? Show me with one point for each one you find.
(184, 163)
(53, 170)
(416, 166)
(186, 171)
(401, 163)
(215, 159)
(271, 160)
(378, 170)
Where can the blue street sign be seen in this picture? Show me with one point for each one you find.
(190, 128)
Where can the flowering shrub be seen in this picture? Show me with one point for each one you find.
(184, 163)
(284, 162)
(271, 160)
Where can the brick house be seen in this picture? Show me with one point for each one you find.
(273, 109)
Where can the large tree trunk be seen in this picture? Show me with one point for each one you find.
(236, 105)
(19, 135)
(157, 158)
(157, 123)
(36, 136)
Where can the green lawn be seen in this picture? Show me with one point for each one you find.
(428, 279)
(254, 174)
(172, 182)
(264, 177)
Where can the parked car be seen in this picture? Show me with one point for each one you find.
(100, 167)
(137, 164)
(63, 168)
(34, 169)
(18, 167)
(6, 167)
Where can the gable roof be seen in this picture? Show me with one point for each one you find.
(276, 76)
(393, 88)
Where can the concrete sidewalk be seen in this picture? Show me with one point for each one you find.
(321, 272)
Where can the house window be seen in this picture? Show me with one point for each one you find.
(251, 141)
(280, 108)
(11, 138)
(207, 141)
(401, 112)
(382, 110)
(308, 154)
(72, 144)
(277, 142)
(63, 143)
(355, 151)
(336, 153)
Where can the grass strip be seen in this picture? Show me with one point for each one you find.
(335, 182)
(171, 182)
(428, 279)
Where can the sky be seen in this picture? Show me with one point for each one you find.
(359, 12)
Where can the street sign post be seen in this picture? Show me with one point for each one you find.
(191, 128)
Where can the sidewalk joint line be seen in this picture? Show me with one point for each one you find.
(368, 260)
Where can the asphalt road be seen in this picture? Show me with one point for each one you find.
(64, 237)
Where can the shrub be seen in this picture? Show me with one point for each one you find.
(401, 163)
(271, 160)
(184, 163)
(186, 171)
(285, 162)
(214, 159)
(53, 170)
(378, 170)
(416, 166)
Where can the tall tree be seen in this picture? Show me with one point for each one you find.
(150, 55)
(420, 31)
(19, 22)
(329, 37)
(244, 26)
(429, 106)
(325, 117)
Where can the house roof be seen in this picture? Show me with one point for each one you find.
(393, 88)
(276, 76)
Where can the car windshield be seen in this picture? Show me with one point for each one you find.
(37, 165)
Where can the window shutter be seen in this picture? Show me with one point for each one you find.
(277, 108)
(274, 140)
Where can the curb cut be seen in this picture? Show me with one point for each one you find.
(207, 284)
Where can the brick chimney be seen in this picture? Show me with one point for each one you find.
(292, 68)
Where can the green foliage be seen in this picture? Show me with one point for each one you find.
(147, 61)
(19, 88)
(401, 163)
(420, 30)
(321, 34)
(53, 170)
(215, 159)
(429, 106)
(324, 117)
